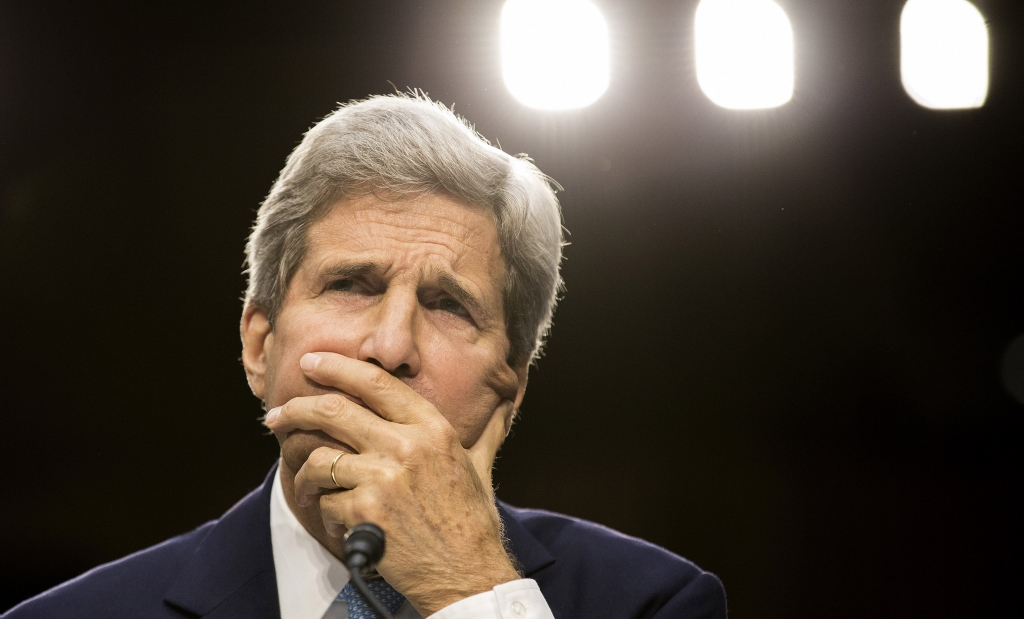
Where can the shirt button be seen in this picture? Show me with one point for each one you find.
(518, 610)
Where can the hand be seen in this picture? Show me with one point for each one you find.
(411, 476)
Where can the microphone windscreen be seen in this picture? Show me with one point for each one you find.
(364, 546)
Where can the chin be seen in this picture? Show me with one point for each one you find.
(297, 446)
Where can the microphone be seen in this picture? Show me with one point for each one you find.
(364, 548)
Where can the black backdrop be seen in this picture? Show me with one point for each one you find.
(779, 352)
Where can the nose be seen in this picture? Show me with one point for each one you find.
(391, 342)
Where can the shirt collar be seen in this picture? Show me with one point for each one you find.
(309, 577)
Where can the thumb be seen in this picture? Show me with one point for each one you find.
(485, 449)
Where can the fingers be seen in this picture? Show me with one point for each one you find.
(323, 470)
(341, 511)
(335, 511)
(332, 413)
(386, 395)
(483, 452)
(349, 472)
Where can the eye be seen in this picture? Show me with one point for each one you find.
(341, 285)
(448, 304)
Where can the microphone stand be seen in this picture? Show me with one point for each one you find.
(371, 600)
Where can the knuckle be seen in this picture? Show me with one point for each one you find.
(332, 404)
(327, 500)
(321, 456)
(406, 449)
(378, 380)
(330, 512)
(364, 506)
(391, 476)
(439, 432)
(332, 506)
(446, 433)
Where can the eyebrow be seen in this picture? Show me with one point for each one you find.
(348, 270)
(447, 282)
(452, 286)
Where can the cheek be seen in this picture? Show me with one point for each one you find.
(461, 381)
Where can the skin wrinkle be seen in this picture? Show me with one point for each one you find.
(449, 283)
(431, 228)
(451, 227)
(322, 274)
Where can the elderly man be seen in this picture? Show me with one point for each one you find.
(402, 276)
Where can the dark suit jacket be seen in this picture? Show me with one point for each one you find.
(225, 568)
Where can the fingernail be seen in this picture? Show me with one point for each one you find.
(272, 415)
(309, 361)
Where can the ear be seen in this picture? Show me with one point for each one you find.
(257, 337)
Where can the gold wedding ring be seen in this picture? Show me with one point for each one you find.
(333, 462)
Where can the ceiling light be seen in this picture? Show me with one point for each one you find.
(744, 52)
(554, 53)
(944, 54)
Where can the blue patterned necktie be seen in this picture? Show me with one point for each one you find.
(357, 608)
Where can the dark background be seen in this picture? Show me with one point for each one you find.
(778, 355)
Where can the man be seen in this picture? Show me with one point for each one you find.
(402, 276)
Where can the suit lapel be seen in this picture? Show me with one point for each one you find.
(532, 555)
(231, 573)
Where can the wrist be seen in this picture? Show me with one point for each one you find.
(464, 584)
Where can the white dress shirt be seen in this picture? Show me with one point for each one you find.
(309, 579)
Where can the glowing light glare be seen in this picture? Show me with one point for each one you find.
(554, 53)
(944, 53)
(744, 53)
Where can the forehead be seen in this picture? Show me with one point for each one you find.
(424, 232)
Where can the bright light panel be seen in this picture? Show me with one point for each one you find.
(554, 53)
(944, 54)
(744, 53)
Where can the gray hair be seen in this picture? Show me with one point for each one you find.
(404, 144)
